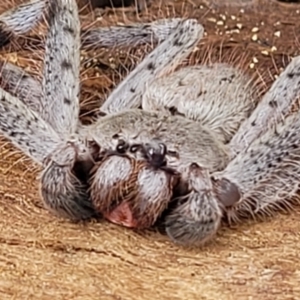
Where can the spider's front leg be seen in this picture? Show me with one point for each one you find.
(198, 212)
(62, 191)
(267, 174)
(64, 180)
(66, 166)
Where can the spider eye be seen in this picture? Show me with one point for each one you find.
(172, 153)
(122, 146)
(163, 148)
(194, 166)
(150, 151)
(115, 136)
(134, 148)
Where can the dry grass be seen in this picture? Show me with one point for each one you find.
(42, 257)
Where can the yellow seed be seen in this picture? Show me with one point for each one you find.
(255, 29)
(265, 52)
(220, 23)
(254, 38)
(212, 20)
(273, 49)
(255, 60)
(252, 66)
(232, 31)
(277, 33)
(239, 25)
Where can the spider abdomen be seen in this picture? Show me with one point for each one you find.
(208, 94)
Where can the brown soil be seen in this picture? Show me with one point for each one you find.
(42, 257)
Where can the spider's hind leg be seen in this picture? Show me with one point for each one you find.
(163, 59)
(275, 104)
(22, 85)
(20, 20)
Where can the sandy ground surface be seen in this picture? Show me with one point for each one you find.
(42, 257)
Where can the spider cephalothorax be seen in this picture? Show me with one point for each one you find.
(221, 155)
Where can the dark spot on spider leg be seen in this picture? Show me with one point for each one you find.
(66, 65)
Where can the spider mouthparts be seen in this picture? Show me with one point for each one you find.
(122, 215)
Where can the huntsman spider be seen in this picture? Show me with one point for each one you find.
(195, 143)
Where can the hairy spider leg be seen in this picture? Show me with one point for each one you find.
(258, 181)
(273, 107)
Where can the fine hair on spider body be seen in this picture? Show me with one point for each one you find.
(80, 163)
(140, 191)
